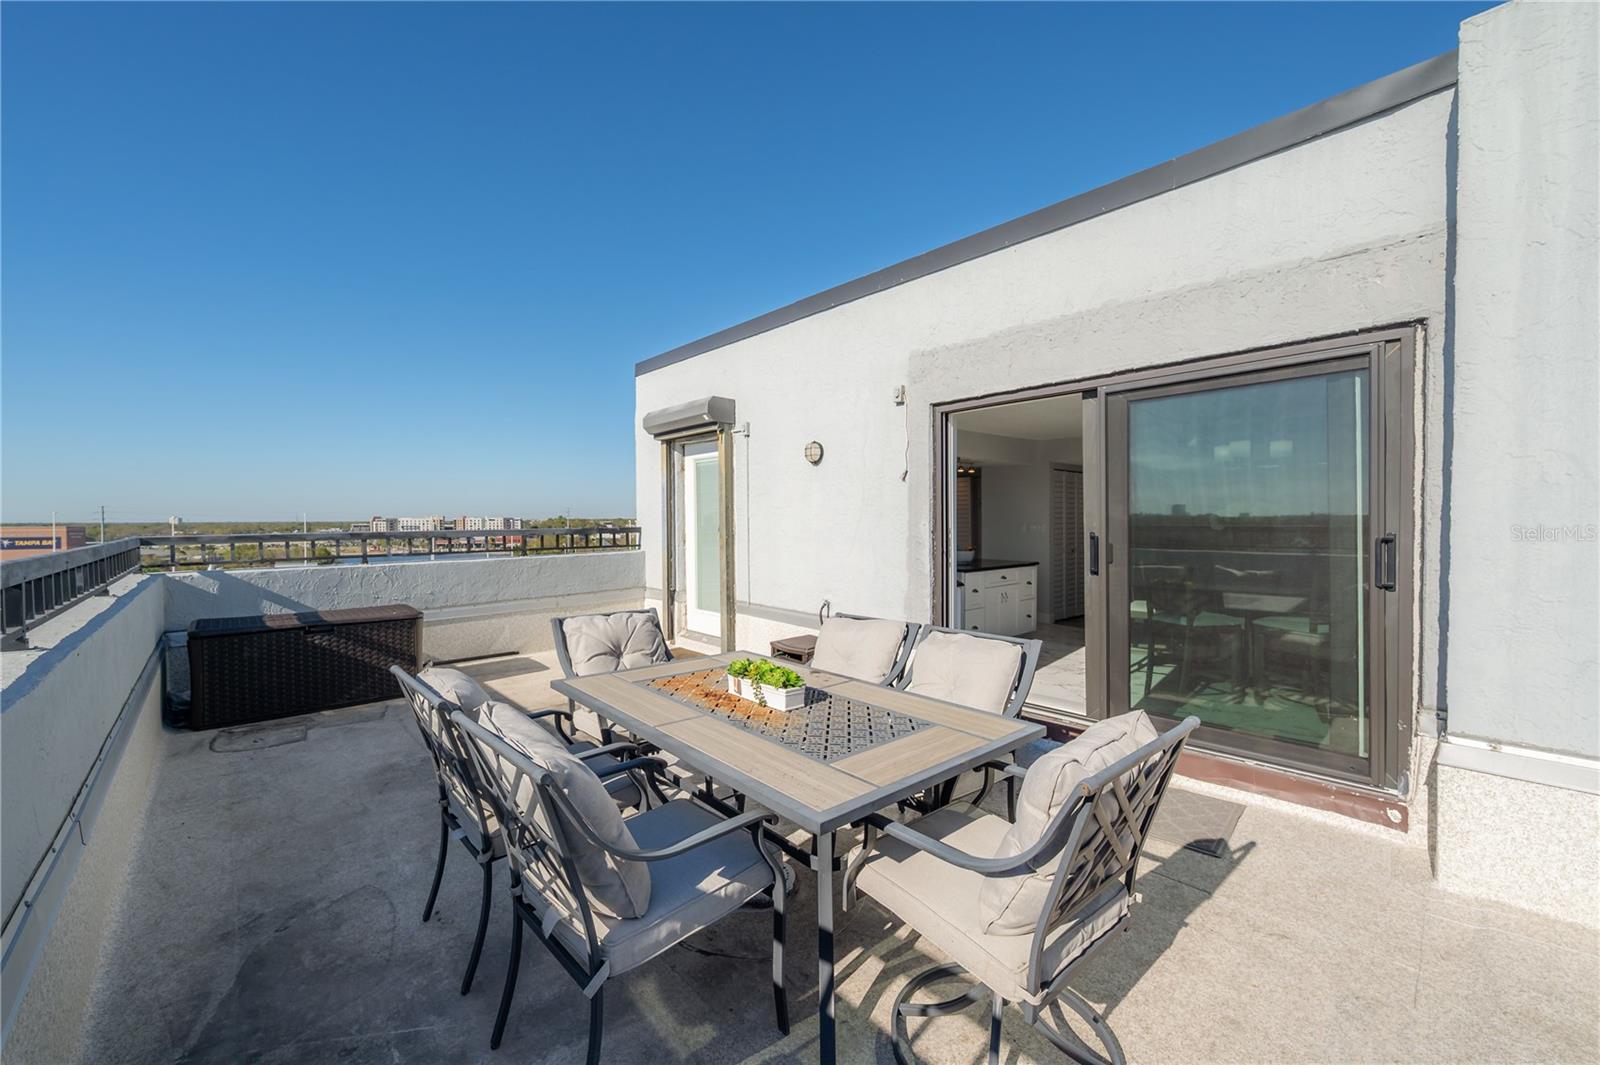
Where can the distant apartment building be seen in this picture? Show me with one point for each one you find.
(484, 524)
(379, 524)
(432, 523)
(21, 541)
(361, 526)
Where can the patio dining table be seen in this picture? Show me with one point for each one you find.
(854, 748)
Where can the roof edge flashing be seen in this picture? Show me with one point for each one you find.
(1338, 112)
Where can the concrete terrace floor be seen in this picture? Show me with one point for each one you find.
(272, 916)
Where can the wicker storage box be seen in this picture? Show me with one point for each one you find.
(279, 665)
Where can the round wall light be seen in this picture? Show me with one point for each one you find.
(813, 453)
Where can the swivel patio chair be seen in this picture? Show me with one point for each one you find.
(869, 649)
(604, 894)
(465, 811)
(982, 670)
(1020, 907)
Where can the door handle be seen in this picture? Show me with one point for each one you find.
(1384, 563)
(1094, 554)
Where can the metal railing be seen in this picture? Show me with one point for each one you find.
(36, 588)
(331, 547)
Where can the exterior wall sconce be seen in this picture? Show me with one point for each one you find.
(813, 453)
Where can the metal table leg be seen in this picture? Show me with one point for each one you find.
(824, 870)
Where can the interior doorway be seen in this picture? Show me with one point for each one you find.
(1018, 552)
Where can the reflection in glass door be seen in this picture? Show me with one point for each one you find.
(1242, 510)
(702, 533)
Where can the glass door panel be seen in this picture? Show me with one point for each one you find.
(702, 530)
(1243, 508)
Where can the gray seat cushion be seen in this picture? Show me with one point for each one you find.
(857, 647)
(605, 643)
(457, 687)
(961, 668)
(940, 901)
(1011, 905)
(687, 893)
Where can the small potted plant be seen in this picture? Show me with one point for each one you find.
(739, 684)
(778, 687)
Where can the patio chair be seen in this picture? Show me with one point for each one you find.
(604, 894)
(1181, 622)
(465, 812)
(869, 649)
(591, 644)
(1020, 907)
(977, 669)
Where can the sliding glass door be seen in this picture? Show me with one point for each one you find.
(1251, 548)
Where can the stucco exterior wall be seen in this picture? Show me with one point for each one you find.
(1517, 786)
(59, 704)
(66, 852)
(1339, 234)
(471, 607)
(1524, 620)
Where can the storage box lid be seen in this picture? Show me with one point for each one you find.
(275, 622)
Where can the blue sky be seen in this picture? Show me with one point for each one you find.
(266, 259)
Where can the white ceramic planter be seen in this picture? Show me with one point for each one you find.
(775, 698)
(784, 698)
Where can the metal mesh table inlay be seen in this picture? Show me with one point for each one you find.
(826, 728)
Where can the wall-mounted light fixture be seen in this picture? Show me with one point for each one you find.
(813, 452)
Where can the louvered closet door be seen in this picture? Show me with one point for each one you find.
(1066, 536)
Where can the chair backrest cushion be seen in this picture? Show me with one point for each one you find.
(615, 887)
(1012, 905)
(969, 670)
(605, 643)
(858, 647)
(456, 686)
(516, 727)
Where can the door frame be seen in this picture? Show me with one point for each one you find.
(1378, 709)
(703, 451)
(673, 526)
(1394, 393)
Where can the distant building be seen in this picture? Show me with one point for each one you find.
(380, 524)
(480, 524)
(21, 541)
(361, 526)
(433, 523)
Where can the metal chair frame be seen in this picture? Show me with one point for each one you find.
(545, 885)
(1088, 832)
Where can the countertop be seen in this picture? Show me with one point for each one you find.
(978, 565)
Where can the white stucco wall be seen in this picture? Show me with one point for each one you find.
(1513, 821)
(58, 706)
(66, 852)
(1339, 234)
(471, 607)
(1524, 620)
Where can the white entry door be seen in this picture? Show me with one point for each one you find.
(702, 536)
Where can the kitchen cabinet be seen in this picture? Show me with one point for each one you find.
(1001, 600)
